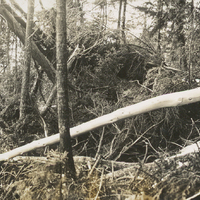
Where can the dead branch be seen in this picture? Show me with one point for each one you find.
(52, 95)
(73, 57)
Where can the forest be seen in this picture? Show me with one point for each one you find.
(99, 99)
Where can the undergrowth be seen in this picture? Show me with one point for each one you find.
(105, 81)
(164, 179)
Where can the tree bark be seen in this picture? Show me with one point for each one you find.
(62, 87)
(25, 98)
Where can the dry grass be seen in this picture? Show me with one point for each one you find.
(165, 178)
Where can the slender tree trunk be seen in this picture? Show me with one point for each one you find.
(106, 13)
(190, 64)
(8, 47)
(145, 24)
(119, 14)
(80, 8)
(41, 4)
(159, 25)
(181, 36)
(124, 22)
(62, 88)
(16, 57)
(16, 63)
(25, 99)
(49, 100)
(101, 25)
(1, 23)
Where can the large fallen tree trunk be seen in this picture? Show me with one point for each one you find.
(36, 53)
(166, 100)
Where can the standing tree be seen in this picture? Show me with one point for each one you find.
(190, 64)
(180, 22)
(102, 15)
(8, 47)
(15, 68)
(124, 22)
(62, 88)
(119, 14)
(159, 15)
(25, 99)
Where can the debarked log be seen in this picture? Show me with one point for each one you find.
(166, 100)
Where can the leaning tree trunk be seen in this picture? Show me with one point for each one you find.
(37, 55)
(25, 99)
(62, 88)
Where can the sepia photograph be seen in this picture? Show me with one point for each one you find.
(99, 100)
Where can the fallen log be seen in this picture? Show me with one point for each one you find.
(78, 160)
(166, 100)
(36, 53)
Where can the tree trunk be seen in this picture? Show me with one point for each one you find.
(181, 36)
(106, 14)
(163, 101)
(81, 12)
(25, 99)
(1, 23)
(41, 4)
(159, 15)
(8, 47)
(119, 14)
(62, 88)
(190, 63)
(15, 69)
(36, 53)
(18, 8)
(124, 22)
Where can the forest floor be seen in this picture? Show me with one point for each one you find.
(129, 160)
(39, 178)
